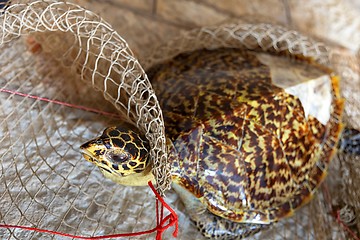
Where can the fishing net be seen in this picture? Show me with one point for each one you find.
(66, 75)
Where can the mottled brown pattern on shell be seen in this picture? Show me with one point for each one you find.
(241, 144)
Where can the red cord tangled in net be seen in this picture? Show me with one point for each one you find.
(163, 223)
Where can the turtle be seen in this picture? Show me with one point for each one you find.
(250, 136)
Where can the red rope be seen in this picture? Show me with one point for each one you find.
(327, 197)
(342, 224)
(60, 103)
(172, 218)
(162, 224)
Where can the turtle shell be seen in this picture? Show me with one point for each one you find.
(251, 135)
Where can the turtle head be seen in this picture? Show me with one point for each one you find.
(121, 155)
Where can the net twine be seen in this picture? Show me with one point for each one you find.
(80, 41)
(163, 223)
(258, 37)
(84, 43)
(103, 58)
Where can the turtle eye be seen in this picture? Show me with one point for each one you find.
(119, 157)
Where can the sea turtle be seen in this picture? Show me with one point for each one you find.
(250, 137)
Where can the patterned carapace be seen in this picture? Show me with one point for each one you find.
(241, 144)
(239, 140)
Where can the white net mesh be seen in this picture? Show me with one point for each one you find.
(61, 51)
(258, 37)
(81, 41)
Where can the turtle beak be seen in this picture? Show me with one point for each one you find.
(86, 154)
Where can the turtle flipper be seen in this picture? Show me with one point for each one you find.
(350, 141)
(215, 227)
(212, 226)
